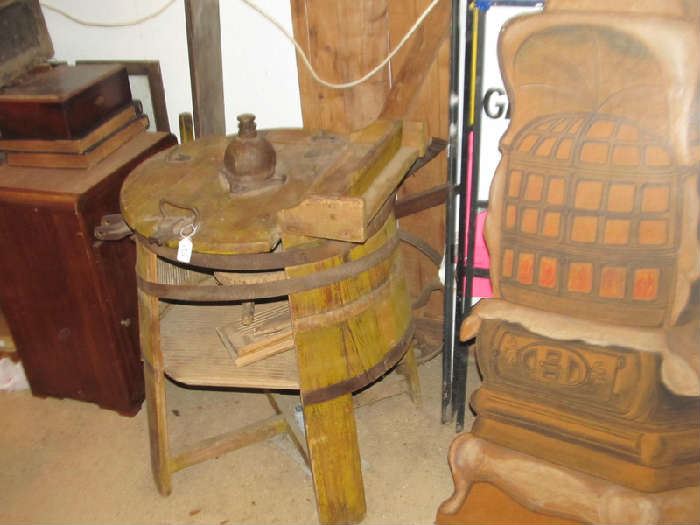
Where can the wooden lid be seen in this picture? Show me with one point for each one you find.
(24, 40)
(325, 185)
(59, 84)
(187, 183)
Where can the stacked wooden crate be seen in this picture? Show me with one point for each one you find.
(67, 116)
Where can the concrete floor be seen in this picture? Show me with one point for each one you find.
(69, 462)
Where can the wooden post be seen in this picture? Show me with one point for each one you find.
(154, 377)
(423, 52)
(343, 39)
(186, 128)
(204, 49)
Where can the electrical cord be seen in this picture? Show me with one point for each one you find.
(352, 83)
(89, 23)
(305, 60)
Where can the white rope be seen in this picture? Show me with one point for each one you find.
(108, 24)
(364, 78)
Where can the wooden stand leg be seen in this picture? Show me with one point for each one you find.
(154, 377)
(158, 428)
(408, 367)
(331, 436)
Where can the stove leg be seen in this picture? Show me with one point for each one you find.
(545, 487)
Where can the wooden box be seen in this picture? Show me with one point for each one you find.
(64, 102)
(69, 299)
(38, 101)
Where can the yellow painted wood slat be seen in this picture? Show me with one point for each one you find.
(344, 349)
(331, 437)
(332, 353)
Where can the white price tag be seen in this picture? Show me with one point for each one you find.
(184, 250)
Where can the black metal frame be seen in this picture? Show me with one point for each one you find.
(453, 173)
(463, 203)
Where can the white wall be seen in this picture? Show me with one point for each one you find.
(259, 65)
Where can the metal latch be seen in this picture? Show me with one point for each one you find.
(112, 227)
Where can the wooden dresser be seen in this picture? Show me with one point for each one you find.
(69, 299)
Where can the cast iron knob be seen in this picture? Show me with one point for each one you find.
(249, 157)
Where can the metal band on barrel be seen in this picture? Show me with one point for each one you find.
(248, 292)
(319, 395)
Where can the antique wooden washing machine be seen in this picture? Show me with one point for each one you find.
(282, 220)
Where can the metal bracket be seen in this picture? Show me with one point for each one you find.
(112, 228)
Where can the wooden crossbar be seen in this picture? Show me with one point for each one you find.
(216, 446)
